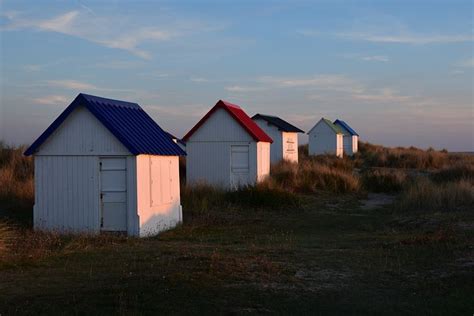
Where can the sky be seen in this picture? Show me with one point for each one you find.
(401, 73)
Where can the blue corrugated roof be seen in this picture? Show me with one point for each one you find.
(127, 121)
(346, 127)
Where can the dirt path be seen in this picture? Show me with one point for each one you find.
(377, 200)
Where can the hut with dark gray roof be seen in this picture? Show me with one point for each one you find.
(284, 135)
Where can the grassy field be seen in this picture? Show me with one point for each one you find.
(288, 246)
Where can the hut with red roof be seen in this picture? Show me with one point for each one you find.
(227, 149)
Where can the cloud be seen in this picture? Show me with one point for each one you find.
(334, 82)
(193, 110)
(52, 100)
(198, 79)
(394, 37)
(376, 58)
(72, 84)
(468, 63)
(243, 89)
(102, 31)
(416, 39)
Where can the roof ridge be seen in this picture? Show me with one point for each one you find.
(136, 130)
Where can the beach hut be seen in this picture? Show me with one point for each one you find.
(284, 135)
(351, 138)
(105, 166)
(326, 138)
(227, 149)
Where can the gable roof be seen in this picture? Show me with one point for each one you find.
(174, 137)
(345, 126)
(127, 121)
(278, 122)
(238, 115)
(334, 127)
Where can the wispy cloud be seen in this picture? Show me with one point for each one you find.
(243, 88)
(468, 63)
(409, 38)
(52, 100)
(362, 57)
(376, 58)
(102, 31)
(72, 84)
(80, 86)
(198, 79)
(334, 82)
(397, 37)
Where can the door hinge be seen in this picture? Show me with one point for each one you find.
(101, 222)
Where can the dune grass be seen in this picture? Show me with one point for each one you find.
(16, 177)
(425, 195)
(297, 243)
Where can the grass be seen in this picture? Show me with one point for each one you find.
(425, 195)
(298, 243)
(313, 175)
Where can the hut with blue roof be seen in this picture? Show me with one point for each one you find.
(105, 166)
(350, 139)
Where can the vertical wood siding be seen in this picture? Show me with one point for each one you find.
(67, 193)
(220, 127)
(208, 151)
(82, 134)
(323, 140)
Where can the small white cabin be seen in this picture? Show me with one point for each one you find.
(326, 138)
(227, 149)
(284, 135)
(351, 138)
(105, 166)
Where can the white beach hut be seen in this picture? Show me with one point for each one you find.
(284, 135)
(105, 166)
(227, 149)
(351, 138)
(326, 138)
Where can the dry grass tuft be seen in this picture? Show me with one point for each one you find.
(370, 155)
(424, 195)
(384, 180)
(312, 175)
(459, 171)
(202, 201)
(16, 176)
(23, 246)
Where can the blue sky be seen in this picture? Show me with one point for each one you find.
(399, 72)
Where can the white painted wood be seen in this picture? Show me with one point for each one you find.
(324, 140)
(290, 146)
(239, 166)
(263, 162)
(220, 127)
(82, 134)
(113, 194)
(158, 193)
(67, 193)
(355, 144)
(209, 153)
(69, 180)
(285, 144)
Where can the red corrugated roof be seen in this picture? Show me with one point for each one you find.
(240, 116)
